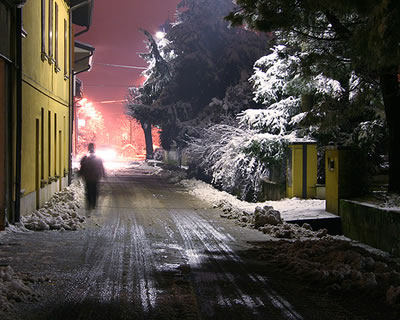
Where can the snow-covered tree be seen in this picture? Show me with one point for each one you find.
(348, 37)
(197, 60)
(142, 101)
(90, 126)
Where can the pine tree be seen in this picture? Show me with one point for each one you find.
(358, 35)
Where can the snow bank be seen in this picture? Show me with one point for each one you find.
(59, 213)
(223, 199)
(390, 202)
(335, 262)
(337, 265)
(12, 289)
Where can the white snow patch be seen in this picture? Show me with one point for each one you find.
(59, 213)
(289, 208)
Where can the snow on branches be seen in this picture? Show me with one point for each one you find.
(275, 119)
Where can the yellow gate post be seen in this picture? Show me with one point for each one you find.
(345, 176)
(302, 170)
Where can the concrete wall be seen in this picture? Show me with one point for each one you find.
(28, 201)
(371, 225)
(173, 157)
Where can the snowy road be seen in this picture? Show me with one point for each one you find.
(151, 251)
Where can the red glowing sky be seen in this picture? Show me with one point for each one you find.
(116, 38)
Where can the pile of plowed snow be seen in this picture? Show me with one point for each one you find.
(335, 262)
(337, 265)
(12, 289)
(60, 212)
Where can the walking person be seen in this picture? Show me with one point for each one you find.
(91, 170)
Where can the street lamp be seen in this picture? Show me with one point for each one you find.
(160, 35)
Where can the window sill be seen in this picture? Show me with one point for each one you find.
(44, 56)
(24, 33)
(43, 183)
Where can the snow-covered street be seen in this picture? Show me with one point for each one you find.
(157, 250)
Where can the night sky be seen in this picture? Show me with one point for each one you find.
(117, 40)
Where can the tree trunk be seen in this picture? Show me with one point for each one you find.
(307, 101)
(390, 92)
(148, 138)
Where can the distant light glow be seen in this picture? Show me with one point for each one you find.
(81, 122)
(160, 34)
(106, 154)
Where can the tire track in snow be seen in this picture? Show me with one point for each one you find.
(142, 262)
(191, 226)
(101, 275)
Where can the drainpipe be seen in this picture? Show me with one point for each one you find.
(71, 100)
(82, 31)
(72, 84)
(18, 147)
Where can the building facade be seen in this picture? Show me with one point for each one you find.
(48, 75)
(45, 101)
(37, 74)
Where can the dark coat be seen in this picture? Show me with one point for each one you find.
(92, 168)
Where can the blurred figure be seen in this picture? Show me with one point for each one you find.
(91, 170)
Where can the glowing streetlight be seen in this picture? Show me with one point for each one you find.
(160, 35)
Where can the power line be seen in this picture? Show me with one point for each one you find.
(109, 85)
(120, 66)
(111, 101)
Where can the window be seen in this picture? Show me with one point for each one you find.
(51, 31)
(5, 31)
(43, 27)
(55, 144)
(56, 37)
(42, 144)
(49, 142)
(65, 49)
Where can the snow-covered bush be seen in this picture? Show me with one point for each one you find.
(219, 152)
(237, 159)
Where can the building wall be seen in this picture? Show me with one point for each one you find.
(7, 54)
(2, 144)
(45, 102)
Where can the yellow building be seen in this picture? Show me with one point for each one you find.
(47, 102)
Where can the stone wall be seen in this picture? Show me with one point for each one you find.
(369, 224)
